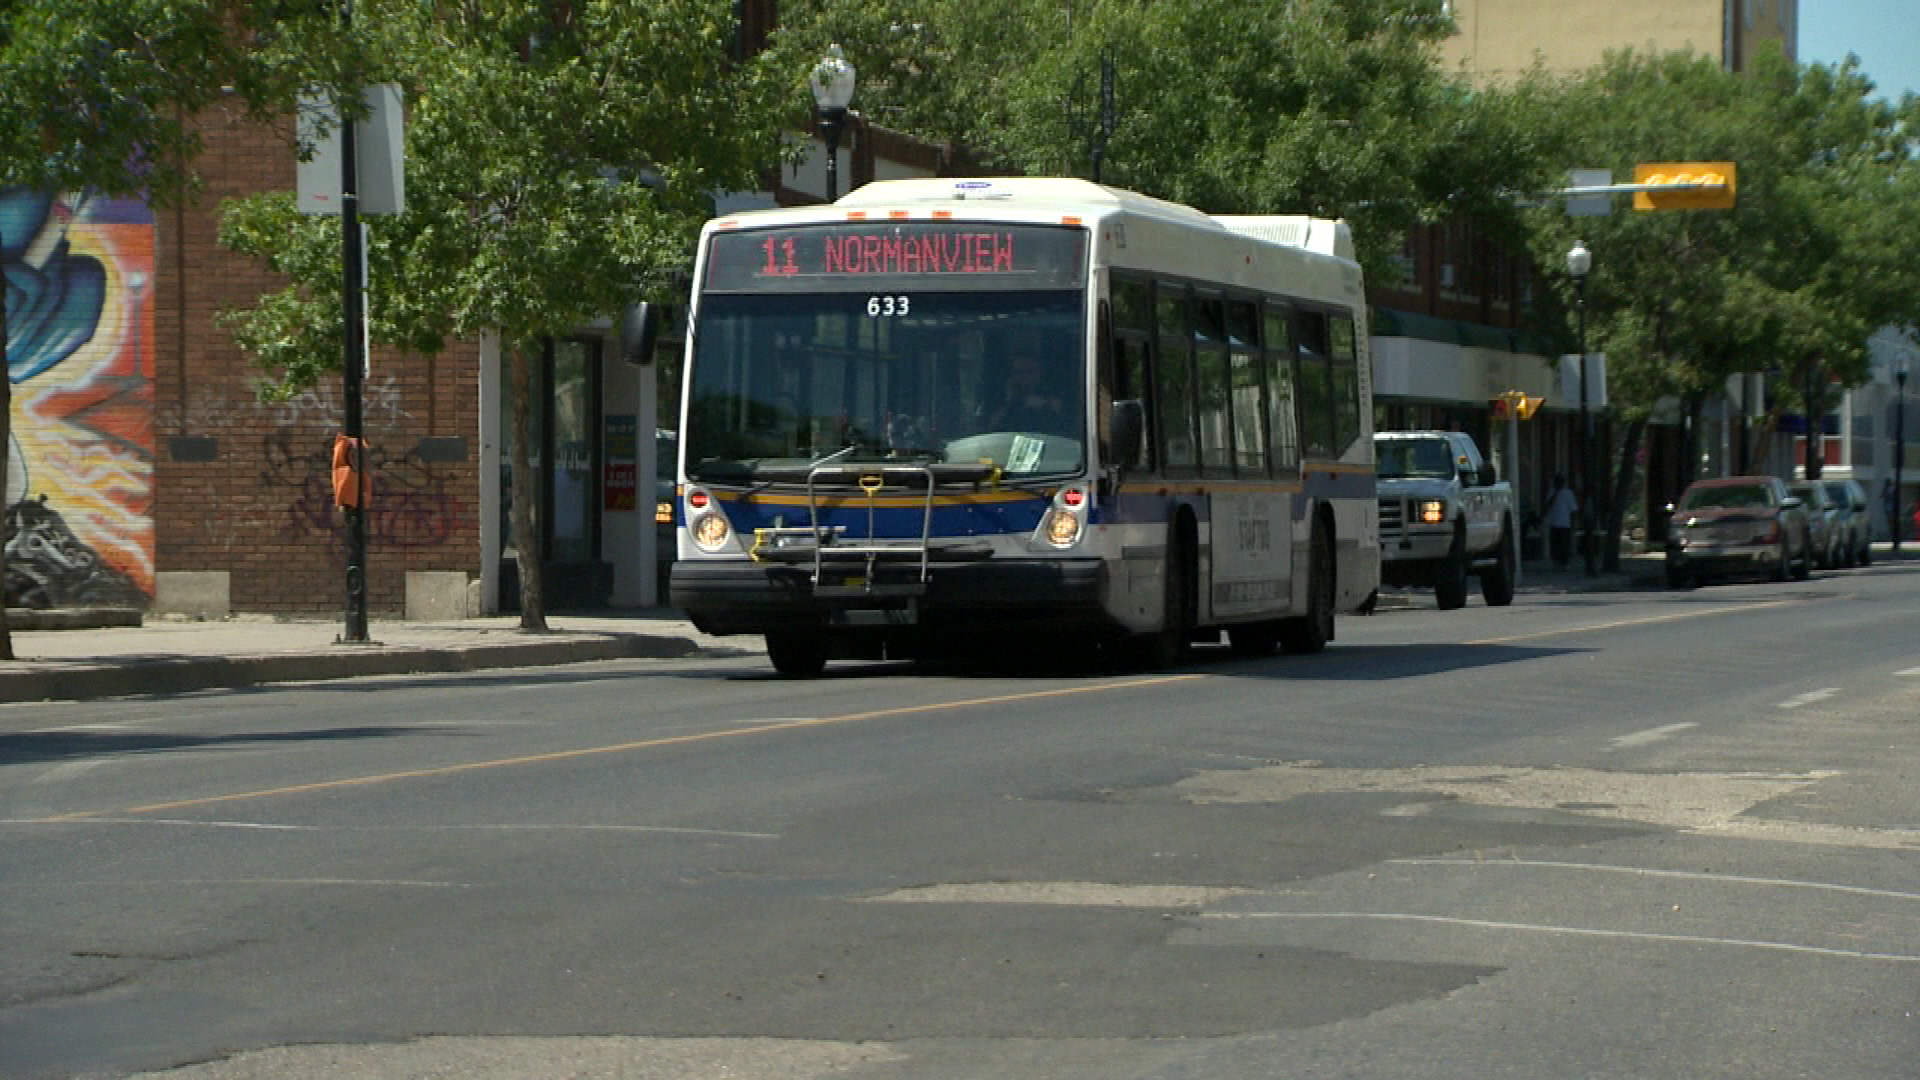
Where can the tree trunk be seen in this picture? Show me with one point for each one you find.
(524, 496)
(1617, 502)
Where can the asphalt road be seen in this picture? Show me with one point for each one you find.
(1606, 835)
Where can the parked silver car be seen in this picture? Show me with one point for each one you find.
(1822, 523)
(1855, 518)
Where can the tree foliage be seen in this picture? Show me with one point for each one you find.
(1331, 107)
(102, 94)
(557, 167)
(560, 159)
(1796, 275)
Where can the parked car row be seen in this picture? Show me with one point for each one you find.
(1762, 525)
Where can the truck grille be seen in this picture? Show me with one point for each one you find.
(1393, 518)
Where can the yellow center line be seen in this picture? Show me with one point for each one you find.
(617, 748)
(1647, 621)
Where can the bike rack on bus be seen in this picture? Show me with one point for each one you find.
(827, 546)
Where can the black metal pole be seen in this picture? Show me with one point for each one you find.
(1589, 545)
(831, 120)
(1816, 426)
(1899, 455)
(353, 336)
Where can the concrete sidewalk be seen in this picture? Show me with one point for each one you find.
(80, 655)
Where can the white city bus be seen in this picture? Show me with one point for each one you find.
(1187, 451)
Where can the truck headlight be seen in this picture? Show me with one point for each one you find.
(1431, 511)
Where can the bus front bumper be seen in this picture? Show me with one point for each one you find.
(736, 597)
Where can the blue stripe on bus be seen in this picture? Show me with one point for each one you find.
(949, 519)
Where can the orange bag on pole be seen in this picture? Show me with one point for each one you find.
(347, 457)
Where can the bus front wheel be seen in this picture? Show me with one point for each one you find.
(798, 655)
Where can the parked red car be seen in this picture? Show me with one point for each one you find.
(1737, 525)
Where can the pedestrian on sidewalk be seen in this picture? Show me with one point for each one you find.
(1561, 506)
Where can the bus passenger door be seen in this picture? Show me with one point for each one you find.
(1251, 567)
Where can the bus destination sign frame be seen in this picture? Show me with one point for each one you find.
(861, 256)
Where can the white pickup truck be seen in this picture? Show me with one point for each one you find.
(1443, 516)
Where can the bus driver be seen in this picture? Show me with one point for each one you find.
(1028, 403)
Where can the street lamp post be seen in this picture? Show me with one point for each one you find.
(1579, 264)
(832, 85)
(1899, 451)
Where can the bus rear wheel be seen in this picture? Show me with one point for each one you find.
(798, 655)
(1311, 632)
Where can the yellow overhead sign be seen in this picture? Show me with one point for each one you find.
(1695, 185)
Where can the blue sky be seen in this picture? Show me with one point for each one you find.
(1884, 34)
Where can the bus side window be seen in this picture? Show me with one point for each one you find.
(1315, 383)
(1249, 405)
(1213, 384)
(1344, 369)
(1132, 343)
(1173, 379)
(1283, 440)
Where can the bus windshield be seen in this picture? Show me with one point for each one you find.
(792, 379)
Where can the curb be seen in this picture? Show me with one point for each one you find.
(90, 679)
(70, 618)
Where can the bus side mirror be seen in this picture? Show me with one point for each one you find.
(639, 329)
(1128, 424)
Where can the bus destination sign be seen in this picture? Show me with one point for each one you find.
(938, 255)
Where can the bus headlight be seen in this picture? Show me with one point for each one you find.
(1061, 527)
(1431, 511)
(711, 531)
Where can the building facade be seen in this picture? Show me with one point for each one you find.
(1501, 39)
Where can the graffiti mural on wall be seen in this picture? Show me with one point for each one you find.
(408, 505)
(78, 522)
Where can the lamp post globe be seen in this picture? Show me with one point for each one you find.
(832, 83)
(1579, 265)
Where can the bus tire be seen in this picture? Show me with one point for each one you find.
(1450, 577)
(1168, 645)
(1311, 632)
(796, 654)
(1496, 582)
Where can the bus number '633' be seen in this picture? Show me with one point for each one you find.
(883, 306)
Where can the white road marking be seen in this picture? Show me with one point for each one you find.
(1651, 735)
(1066, 893)
(1809, 697)
(68, 768)
(1912, 671)
(1571, 931)
(179, 822)
(377, 883)
(1641, 871)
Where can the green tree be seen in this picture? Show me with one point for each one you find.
(1792, 280)
(560, 158)
(102, 95)
(1337, 108)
